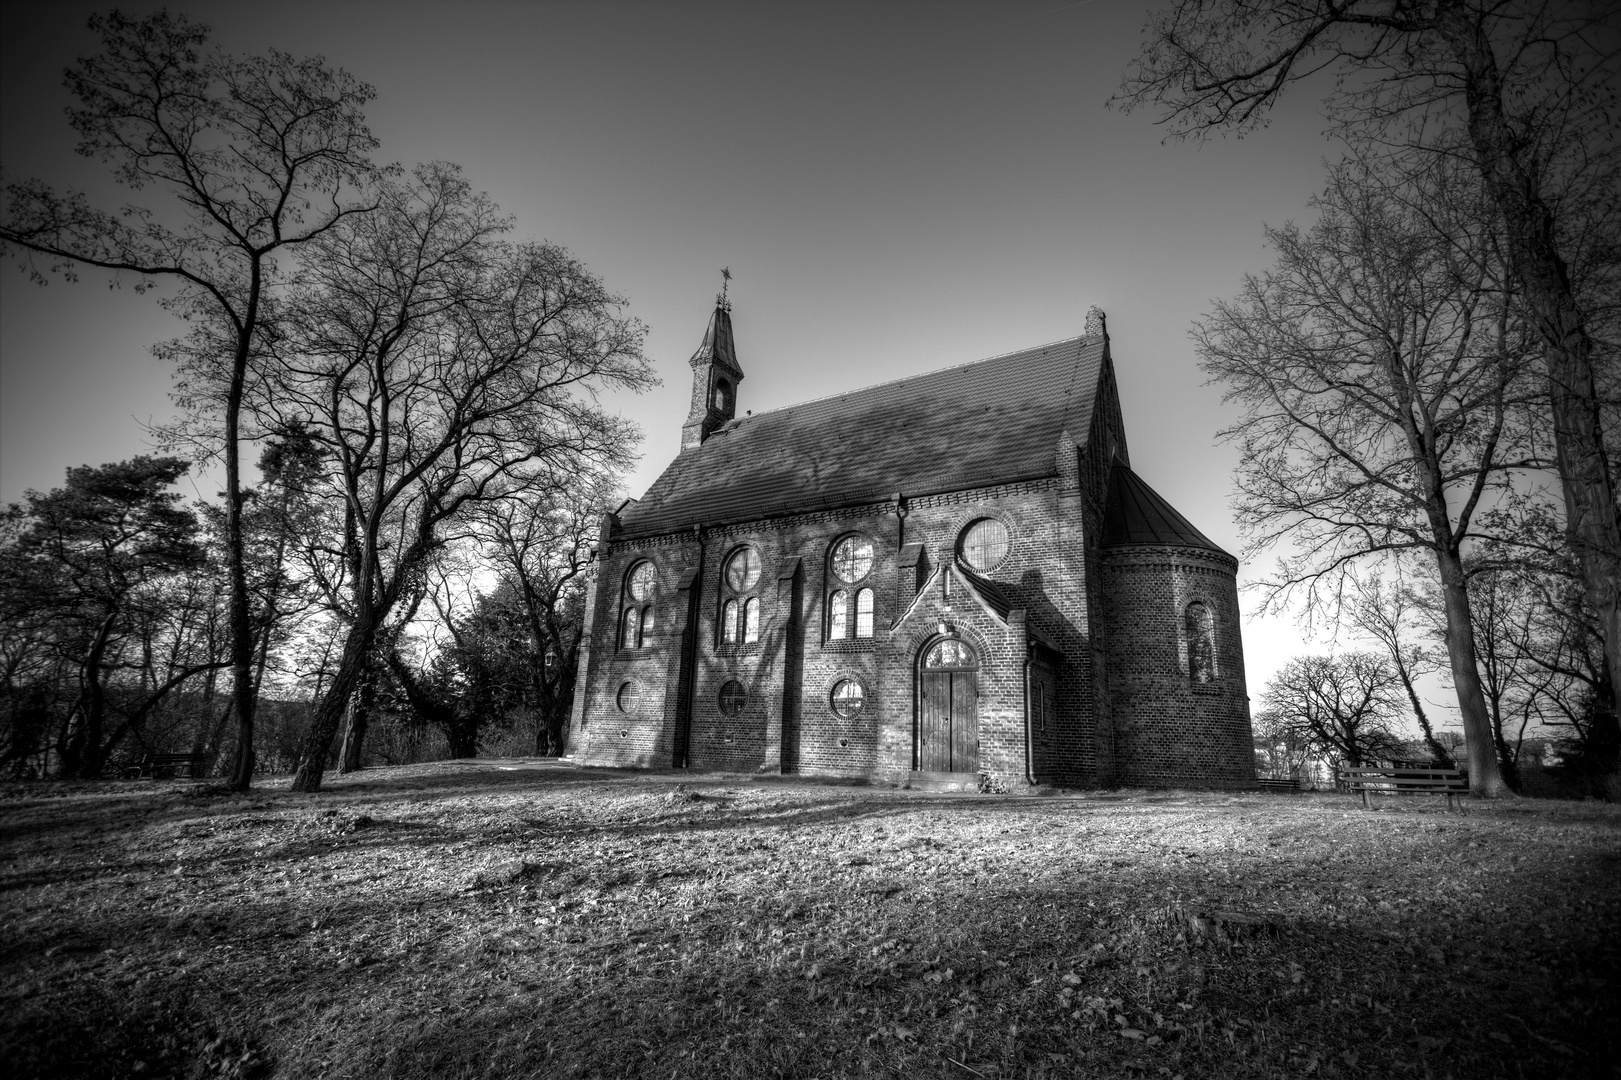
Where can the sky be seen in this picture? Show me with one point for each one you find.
(895, 188)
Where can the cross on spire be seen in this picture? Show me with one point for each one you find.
(726, 281)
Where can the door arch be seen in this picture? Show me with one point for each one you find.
(947, 734)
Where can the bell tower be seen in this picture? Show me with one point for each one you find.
(715, 376)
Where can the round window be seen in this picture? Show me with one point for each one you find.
(733, 697)
(984, 544)
(848, 698)
(743, 570)
(641, 581)
(852, 558)
(629, 694)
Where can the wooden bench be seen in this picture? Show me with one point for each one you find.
(1291, 786)
(168, 766)
(1406, 779)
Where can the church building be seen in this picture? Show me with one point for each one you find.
(950, 580)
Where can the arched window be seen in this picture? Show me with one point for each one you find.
(984, 544)
(864, 613)
(740, 606)
(1201, 644)
(950, 653)
(723, 394)
(838, 616)
(849, 562)
(641, 586)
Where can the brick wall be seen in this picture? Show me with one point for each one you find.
(1168, 730)
(1125, 709)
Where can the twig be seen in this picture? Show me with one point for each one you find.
(960, 1065)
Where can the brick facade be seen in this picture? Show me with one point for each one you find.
(1082, 660)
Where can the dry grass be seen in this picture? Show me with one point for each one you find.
(511, 919)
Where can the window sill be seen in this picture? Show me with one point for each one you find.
(866, 644)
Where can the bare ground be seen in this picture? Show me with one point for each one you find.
(510, 918)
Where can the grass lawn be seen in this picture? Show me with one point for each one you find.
(511, 918)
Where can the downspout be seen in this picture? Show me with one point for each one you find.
(1029, 774)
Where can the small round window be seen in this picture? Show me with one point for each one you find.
(629, 694)
(743, 570)
(641, 581)
(984, 544)
(733, 697)
(852, 558)
(848, 698)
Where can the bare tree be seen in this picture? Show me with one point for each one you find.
(259, 154)
(541, 544)
(1385, 613)
(1385, 394)
(1342, 706)
(1525, 92)
(438, 366)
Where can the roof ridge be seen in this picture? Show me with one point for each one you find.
(909, 378)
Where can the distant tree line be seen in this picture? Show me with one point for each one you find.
(407, 575)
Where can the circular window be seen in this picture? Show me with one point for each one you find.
(743, 570)
(733, 697)
(949, 653)
(848, 697)
(852, 558)
(641, 581)
(984, 544)
(629, 694)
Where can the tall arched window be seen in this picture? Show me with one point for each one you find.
(641, 585)
(864, 613)
(849, 563)
(838, 616)
(1201, 643)
(740, 604)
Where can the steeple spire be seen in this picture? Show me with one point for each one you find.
(715, 375)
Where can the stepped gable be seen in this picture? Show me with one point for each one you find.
(1136, 514)
(990, 422)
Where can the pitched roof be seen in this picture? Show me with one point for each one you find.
(1135, 513)
(988, 422)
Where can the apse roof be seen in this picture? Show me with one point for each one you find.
(1136, 514)
(988, 422)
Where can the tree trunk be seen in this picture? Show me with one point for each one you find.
(354, 732)
(95, 702)
(244, 691)
(1484, 778)
(1593, 529)
(329, 714)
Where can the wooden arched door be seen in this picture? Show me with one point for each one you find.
(948, 708)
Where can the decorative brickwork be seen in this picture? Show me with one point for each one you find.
(1081, 673)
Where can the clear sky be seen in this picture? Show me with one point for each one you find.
(896, 187)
